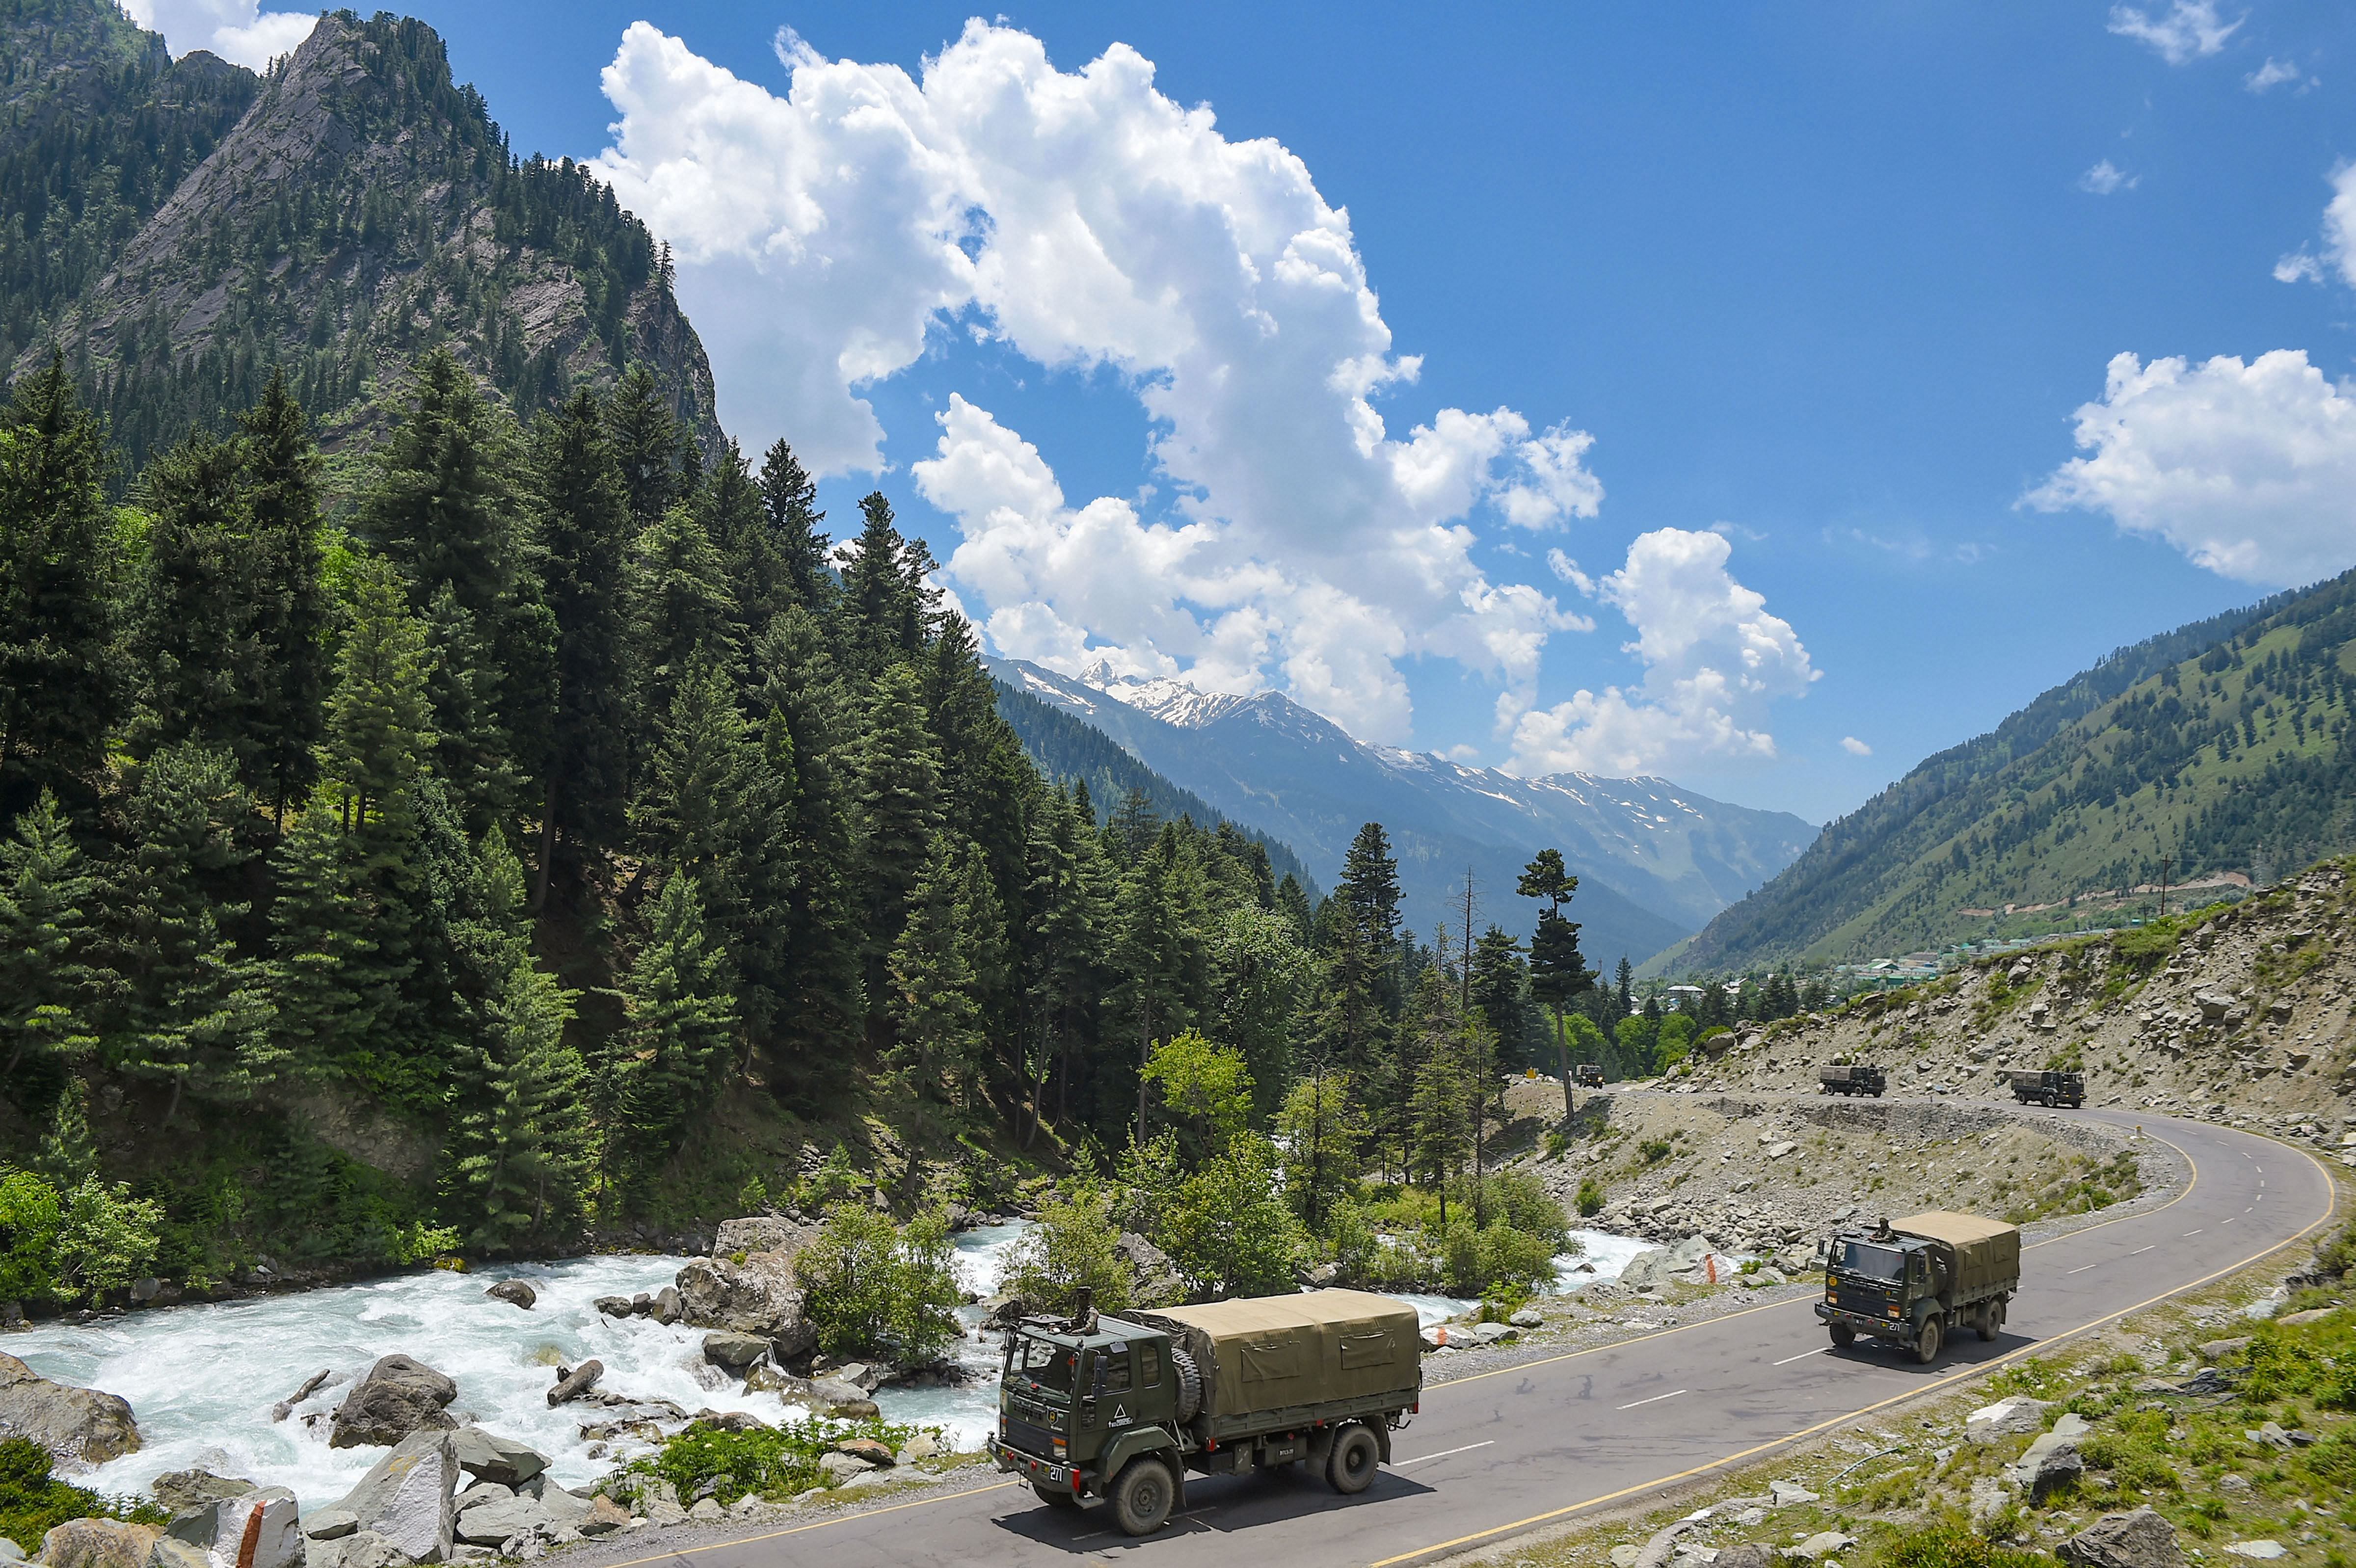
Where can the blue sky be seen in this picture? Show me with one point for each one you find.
(1831, 281)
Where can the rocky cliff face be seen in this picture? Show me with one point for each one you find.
(363, 208)
(2245, 1015)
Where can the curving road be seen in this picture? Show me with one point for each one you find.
(1504, 1451)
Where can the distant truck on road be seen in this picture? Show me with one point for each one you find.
(1589, 1074)
(1096, 1410)
(1861, 1079)
(1915, 1280)
(2047, 1088)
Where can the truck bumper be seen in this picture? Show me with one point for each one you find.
(1041, 1472)
(1896, 1328)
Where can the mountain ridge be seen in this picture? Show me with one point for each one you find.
(1271, 763)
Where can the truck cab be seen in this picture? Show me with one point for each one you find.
(1077, 1400)
(1914, 1282)
(1589, 1074)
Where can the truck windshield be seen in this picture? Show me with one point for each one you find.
(1045, 1362)
(1874, 1262)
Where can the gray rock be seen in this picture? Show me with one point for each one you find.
(491, 1523)
(605, 1516)
(406, 1497)
(478, 1493)
(708, 1511)
(864, 1376)
(2057, 1469)
(10, 1551)
(562, 1506)
(613, 1305)
(399, 1396)
(1821, 1545)
(262, 1528)
(1746, 1554)
(760, 1233)
(513, 1291)
(572, 1383)
(1790, 1494)
(727, 1348)
(488, 1456)
(184, 1490)
(366, 1549)
(759, 1295)
(843, 1399)
(1495, 1333)
(921, 1447)
(666, 1307)
(2263, 1551)
(1155, 1280)
(838, 1466)
(1527, 1318)
(2138, 1540)
(80, 1428)
(331, 1524)
(169, 1551)
(664, 1512)
(2011, 1417)
(2219, 1349)
(97, 1544)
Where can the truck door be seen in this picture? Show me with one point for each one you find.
(1116, 1386)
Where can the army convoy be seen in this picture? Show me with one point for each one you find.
(2047, 1087)
(1096, 1411)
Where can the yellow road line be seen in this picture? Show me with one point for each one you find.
(2330, 1209)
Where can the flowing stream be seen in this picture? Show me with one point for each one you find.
(202, 1380)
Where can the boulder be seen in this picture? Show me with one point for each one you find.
(667, 1308)
(491, 1523)
(330, 1524)
(478, 1493)
(171, 1551)
(364, 1549)
(869, 1449)
(2261, 1550)
(1821, 1545)
(1790, 1494)
(182, 1491)
(759, 1295)
(840, 1468)
(1495, 1333)
(613, 1305)
(727, 1348)
(604, 1517)
(514, 1291)
(864, 1376)
(261, 1528)
(2217, 1350)
(760, 1233)
(1746, 1554)
(2312, 1314)
(99, 1543)
(399, 1396)
(572, 1383)
(2014, 1417)
(562, 1506)
(488, 1456)
(80, 1428)
(1155, 1280)
(922, 1445)
(844, 1399)
(1527, 1318)
(2057, 1469)
(2138, 1540)
(406, 1497)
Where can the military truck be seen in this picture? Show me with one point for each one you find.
(2047, 1087)
(1915, 1280)
(1861, 1079)
(1589, 1074)
(1096, 1410)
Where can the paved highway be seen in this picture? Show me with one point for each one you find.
(1508, 1450)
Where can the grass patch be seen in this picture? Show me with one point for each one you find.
(713, 1462)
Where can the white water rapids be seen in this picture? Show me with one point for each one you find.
(202, 1380)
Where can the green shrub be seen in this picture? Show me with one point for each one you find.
(1952, 1544)
(775, 1463)
(33, 1502)
(1071, 1247)
(1591, 1198)
(1654, 1150)
(30, 1216)
(874, 1288)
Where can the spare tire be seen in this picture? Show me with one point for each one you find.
(1190, 1384)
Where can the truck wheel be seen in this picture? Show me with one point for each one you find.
(1350, 1470)
(1055, 1496)
(1843, 1336)
(1991, 1321)
(1142, 1495)
(1926, 1344)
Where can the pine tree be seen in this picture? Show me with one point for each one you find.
(60, 688)
(1059, 947)
(681, 1034)
(282, 468)
(380, 734)
(646, 443)
(585, 529)
(884, 597)
(682, 607)
(790, 497)
(195, 642)
(730, 507)
(1441, 1108)
(337, 990)
(1558, 972)
(936, 1021)
(45, 984)
(899, 802)
(1500, 992)
(1158, 950)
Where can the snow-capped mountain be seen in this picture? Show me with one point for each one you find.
(1656, 861)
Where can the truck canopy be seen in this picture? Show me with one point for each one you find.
(1277, 1351)
(1862, 1072)
(1985, 1252)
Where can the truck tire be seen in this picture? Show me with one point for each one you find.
(1991, 1321)
(1190, 1384)
(1350, 1468)
(1142, 1495)
(1055, 1496)
(1843, 1336)
(1927, 1343)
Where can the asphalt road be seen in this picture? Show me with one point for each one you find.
(1508, 1450)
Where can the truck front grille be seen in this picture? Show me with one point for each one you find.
(1031, 1439)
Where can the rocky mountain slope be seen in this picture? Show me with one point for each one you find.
(2213, 752)
(362, 208)
(2243, 1014)
(1655, 862)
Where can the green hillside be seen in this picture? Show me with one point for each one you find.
(2223, 747)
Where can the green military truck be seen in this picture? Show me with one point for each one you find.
(1862, 1078)
(1589, 1074)
(2047, 1087)
(1094, 1410)
(1916, 1280)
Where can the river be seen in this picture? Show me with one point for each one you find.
(202, 1380)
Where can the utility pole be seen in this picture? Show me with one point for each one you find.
(1479, 1052)
(2165, 862)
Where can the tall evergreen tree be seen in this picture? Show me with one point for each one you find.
(45, 980)
(1558, 972)
(790, 496)
(282, 468)
(883, 594)
(681, 1028)
(899, 804)
(60, 689)
(646, 443)
(682, 607)
(938, 1034)
(730, 507)
(195, 644)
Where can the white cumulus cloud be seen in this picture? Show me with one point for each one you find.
(2105, 177)
(1714, 661)
(237, 30)
(2250, 469)
(1087, 220)
(1855, 747)
(2339, 237)
(2188, 29)
(2271, 75)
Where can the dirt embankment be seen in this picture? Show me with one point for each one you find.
(2246, 1016)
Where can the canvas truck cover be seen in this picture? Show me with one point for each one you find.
(1274, 1351)
(1845, 1074)
(1986, 1252)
